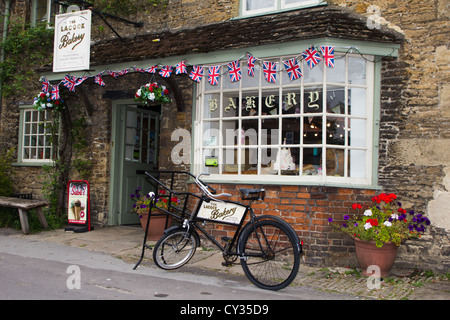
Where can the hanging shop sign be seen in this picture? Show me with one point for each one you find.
(79, 208)
(71, 51)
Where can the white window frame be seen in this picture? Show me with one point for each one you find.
(323, 178)
(37, 154)
(49, 12)
(279, 5)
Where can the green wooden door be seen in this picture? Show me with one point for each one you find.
(138, 138)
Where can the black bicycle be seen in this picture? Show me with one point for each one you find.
(267, 247)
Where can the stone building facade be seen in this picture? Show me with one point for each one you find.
(406, 42)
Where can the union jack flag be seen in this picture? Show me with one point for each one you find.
(70, 82)
(293, 69)
(270, 71)
(196, 73)
(235, 71)
(99, 80)
(213, 75)
(123, 72)
(45, 85)
(55, 92)
(311, 57)
(80, 80)
(151, 69)
(166, 71)
(181, 68)
(251, 65)
(328, 55)
(114, 74)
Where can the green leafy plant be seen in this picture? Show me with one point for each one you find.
(142, 202)
(152, 92)
(6, 183)
(385, 221)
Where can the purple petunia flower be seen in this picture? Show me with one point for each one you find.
(346, 217)
(330, 219)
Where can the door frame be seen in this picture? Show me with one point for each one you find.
(116, 186)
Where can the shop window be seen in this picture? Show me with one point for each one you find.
(316, 128)
(35, 139)
(252, 7)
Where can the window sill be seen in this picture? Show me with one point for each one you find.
(32, 164)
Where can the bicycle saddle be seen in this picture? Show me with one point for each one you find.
(252, 194)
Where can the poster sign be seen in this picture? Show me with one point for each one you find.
(221, 212)
(71, 51)
(79, 203)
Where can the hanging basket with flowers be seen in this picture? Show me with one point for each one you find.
(152, 93)
(44, 101)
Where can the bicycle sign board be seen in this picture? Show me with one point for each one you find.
(221, 212)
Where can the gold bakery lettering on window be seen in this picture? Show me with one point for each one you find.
(312, 100)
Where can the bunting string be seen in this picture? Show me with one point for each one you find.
(311, 56)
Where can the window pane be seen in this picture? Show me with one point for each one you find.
(357, 133)
(312, 100)
(229, 161)
(212, 109)
(211, 133)
(357, 161)
(251, 5)
(289, 159)
(357, 102)
(291, 131)
(337, 73)
(250, 103)
(357, 71)
(210, 161)
(336, 130)
(312, 130)
(249, 134)
(335, 162)
(335, 100)
(291, 101)
(270, 131)
(313, 75)
(270, 103)
(230, 132)
(312, 161)
(268, 160)
(249, 161)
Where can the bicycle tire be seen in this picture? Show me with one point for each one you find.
(175, 249)
(269, 254)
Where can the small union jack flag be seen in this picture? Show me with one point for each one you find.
(328, 55)
(166, 71)
(113, 74)
(123, 72)
(181, 68)
(70, 82)
(293, 69)
(311, 57)
(45, 85)
(55, 92)
(99, 80)
(80, 80)
(151, 69)
(235, 71)
(213, 75)
(196, 73)
(251, 65)
(270, 71)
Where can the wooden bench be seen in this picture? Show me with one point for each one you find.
(23, 205)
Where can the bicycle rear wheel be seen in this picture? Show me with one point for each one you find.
(174, 249)
(270, 254)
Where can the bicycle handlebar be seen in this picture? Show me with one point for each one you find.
(204, 187)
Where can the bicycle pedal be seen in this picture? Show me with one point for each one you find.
(226, 239)
(227, 264)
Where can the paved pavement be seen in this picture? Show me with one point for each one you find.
(126, 243)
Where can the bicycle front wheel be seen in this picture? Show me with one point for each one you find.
(269, 254)
(174, 249)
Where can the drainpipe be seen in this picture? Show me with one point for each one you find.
(2, 53)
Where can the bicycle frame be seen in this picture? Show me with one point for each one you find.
(194, 220)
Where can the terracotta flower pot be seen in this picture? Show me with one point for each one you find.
(368, 254)
(156, 227)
